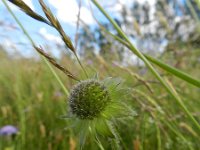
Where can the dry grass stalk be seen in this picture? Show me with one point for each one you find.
(56, 24)
(52, 20)
(25, 8)
(53, 62)
(140, 79)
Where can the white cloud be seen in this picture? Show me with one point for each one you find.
(126, 2)
(50, 37)
(67, 11)
(8, 44)
(29, 3)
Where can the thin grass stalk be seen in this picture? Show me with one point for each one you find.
(56, 24)
(193, 11)
(158, 137)
(85, 72)
(21, 113)
(77, 25)
(32, 42)
(77, 35)
(198, 3)
(141, 56)
(25, 8)
(44, 59)
(52, 21)
(140, 79)
(53, 62)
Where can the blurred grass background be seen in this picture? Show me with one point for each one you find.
(31, 100)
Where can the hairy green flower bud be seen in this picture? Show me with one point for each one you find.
(88, 99)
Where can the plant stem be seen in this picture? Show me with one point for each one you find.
(193, 11)
(85, 72)
(158, 137)
(99, 143)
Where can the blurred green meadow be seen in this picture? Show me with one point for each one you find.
(33, 101)
(34, 91)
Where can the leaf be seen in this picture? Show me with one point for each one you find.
(174, 71)
(103, 128)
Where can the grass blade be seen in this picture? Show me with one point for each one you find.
(174, 71)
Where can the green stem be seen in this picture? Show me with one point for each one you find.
(141, 56)
(158, 137)
(99, 143)
(32, 42)
(198, 3)
(193, 11)
(85, 72)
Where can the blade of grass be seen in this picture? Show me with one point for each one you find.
(26, 9)
(182, 75)
(193, 11)
(141, 56)
(158, 137)
(198, 3)
(53, 62)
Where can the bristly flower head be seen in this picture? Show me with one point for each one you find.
(95, 104)
(88, 99)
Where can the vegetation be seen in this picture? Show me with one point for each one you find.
(155, 107)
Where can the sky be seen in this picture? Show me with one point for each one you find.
(66, 11)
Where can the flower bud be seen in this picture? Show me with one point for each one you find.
(88, 99)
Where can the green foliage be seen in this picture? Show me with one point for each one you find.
(31, 100)
(103, 112)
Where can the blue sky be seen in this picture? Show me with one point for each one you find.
(66, 11)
